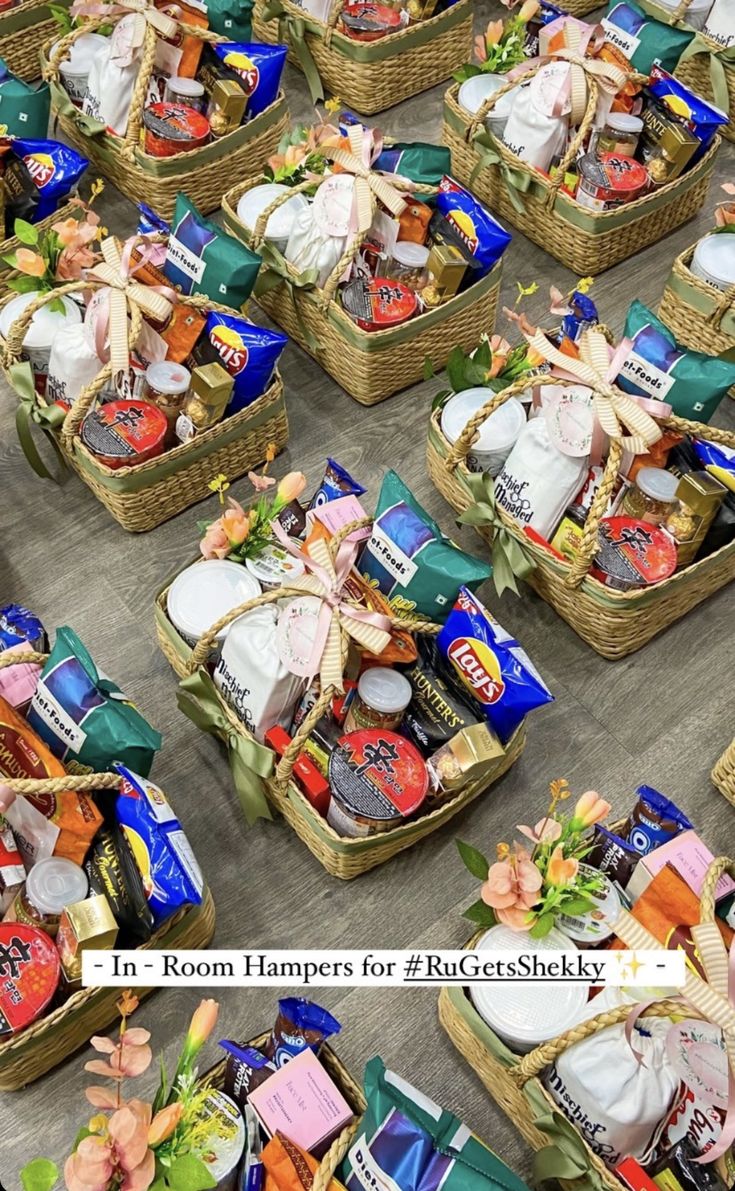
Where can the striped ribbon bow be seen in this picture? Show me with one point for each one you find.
(123, 292)
(367, 181)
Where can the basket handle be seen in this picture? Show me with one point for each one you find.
(261, 222)
(718, 867)
(17, 659)
(333, 1158)
(726, 302)
(82, 783)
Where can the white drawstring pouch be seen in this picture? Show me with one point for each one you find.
(252, 677)
(310, 248)
(73, 363)
(537, 481)
(617, 1093)
(538, 125)
(112, 76)
(720, 24)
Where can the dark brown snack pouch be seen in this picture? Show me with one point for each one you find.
(111, 869)
(246, 1068)
(436, 711)
(613, 856)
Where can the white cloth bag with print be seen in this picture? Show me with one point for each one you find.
(113, 74)
(538, 125)
(252, 677)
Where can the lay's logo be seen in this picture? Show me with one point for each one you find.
(465, 226)
(246, 69)
(478, 668)
(40, 167)
(230, 348)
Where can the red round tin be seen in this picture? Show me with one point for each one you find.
(173, 128)
(377, 779)
(123, 433)
(633, 554)
(609, 180)
(29, 975)
(378, 303)
(369, 22)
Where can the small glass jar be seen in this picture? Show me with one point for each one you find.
(51, 885)
(380, 700)
(187, 91)
(166, 385)
(653, 495)
(408, 264)
(620, 134)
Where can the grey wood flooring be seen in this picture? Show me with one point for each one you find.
(661, 716)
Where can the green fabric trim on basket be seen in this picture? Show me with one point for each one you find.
(169, 465)
(700, 302)
(423, 33)
(588, 221)
(25, 18)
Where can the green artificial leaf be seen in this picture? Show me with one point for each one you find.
(189, 1173)
(542, 926)
(83, 1132)
(24, 285)
(480, 914)
(39, 1175)
(475, 373)
(455, 369)
(483, 355)
(575, 906)
(25, 232)
(429, 371)
(56, 306)
(473, 860)
(11, 260)
(440, 399)
(466, 72)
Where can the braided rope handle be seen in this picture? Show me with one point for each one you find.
(719, 866)
(261, 222)
(82, 783)
(16, 659)
(542, 1056)
(333, 1158)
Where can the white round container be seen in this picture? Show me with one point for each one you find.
(714, 260)
(473, 93)
(55, 883)
(204, 592)
(168, 378)
(695, 15)
(75, 68)
(224, 1152)
(498, 433)
(280, 223)
(524, 1015)
(186, 91)
(44, 325)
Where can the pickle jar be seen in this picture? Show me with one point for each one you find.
(652, 496)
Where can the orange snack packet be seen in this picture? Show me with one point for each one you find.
(24, 754)
(626, 96)
(183, 58)
(414, 222)
(657, 454)
(668, 908)
(289, 1168)
(185, 325)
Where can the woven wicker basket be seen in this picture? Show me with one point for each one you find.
(698, 314)
(368, 76)
(587, 242)
(23, 30)
(142, 497)
(723, 774)
(369, 365)
(26, 1056)
(614, 623)
(203, 173)
(341, 856)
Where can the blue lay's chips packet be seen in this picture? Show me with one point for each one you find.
(18, 626)
(256, 68)
(249, 353)
(491, 666)
(717, 459)
(55, 169)
(171, 876)
(700, 117)
(337, 483)
(653, 821)
(478, 230)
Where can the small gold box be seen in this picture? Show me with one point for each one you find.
(88, 925)
(447, 268)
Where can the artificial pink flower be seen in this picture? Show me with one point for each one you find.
(545, 832)
(102, 1097)
(30, 262)
(215, 543)
(512, 888)
(590, 809)
(235, 522)
(203, 1021)
(164, 1123)
(130, 1057)
(261, 483)
(560, 871)
(73, 261)
(494, 32)
(559, 304)
(501, 350)
(528, 10)
(67, 230)
(123, 1154)
(291, 486)
(480, 48)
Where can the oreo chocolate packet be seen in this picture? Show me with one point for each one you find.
(653, 821)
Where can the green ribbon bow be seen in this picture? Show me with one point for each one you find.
(63, 106)
(717, 59)
(509, 557)
(295, 29)
(250, 762)
(515, 179)
(30, 413)
(276, 273)
(566, 1157)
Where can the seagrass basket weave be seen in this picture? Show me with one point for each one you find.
(342, 856)
(699, 315)
(23, 30)
(146, 495)
(585, 241)
(26, 1056)
(368, 76)
(615, 623)
(369, 365)
(723, 774)
(204, 173)
(513, 1081)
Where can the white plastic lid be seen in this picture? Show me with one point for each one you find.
(205, 591)
(83, 52)
(167, 377)
(183, 86)
(54, 883)
(623, 122)
(497, 432)
(44, 324)
(657, 483)
(413, 256)
(384, 690)
(255, 201)
(526, 1014)
(715, 256)
(473, 92)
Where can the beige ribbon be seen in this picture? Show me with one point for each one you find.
(123, 292)
(146, 13)
(366, 180)
(613, 408)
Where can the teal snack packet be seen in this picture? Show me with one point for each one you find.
(408, 558)
(231, 18)
(24, 109)
(406, 1140)
(692, 382)
(202, 259)
(84, 717)
(643, 39)
(420, 162)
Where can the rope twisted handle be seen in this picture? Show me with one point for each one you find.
(17, 659)
(726, 303)
(459, 451)
(719, 866)
(332, 1159)
(261, 222)
(542, 1056)
(82, 783)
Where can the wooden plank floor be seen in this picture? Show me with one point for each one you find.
(661, 716)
